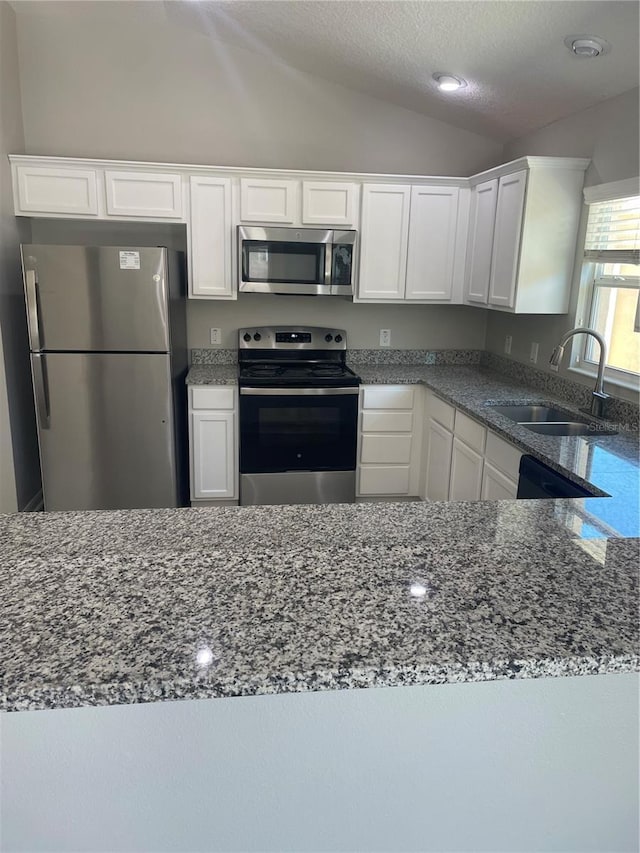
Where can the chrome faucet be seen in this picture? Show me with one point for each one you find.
(598, 397)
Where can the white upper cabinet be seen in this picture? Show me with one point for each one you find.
(522, 237)
(432, 243)
(506, 239)
(483, 219)
(58, 191)
(143, 195)
(383, 241)
(412, 243)
(268, 200)
(329, 203)
(210, 238)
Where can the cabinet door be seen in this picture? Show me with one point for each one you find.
(496, 486)
(439, 462)
(268, 201)
(384, 236)
(432, 243)
(143, 194)
(483, 218)
(210, 236)
(213, 463)
(329, 203)
(466, 473)
(506, 239)
(68, 192)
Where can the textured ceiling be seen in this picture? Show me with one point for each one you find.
(520, 75)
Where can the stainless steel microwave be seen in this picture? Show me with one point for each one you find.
(309, 261)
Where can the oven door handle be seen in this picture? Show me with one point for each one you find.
(297, 392)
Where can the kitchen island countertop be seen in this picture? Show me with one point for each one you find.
(104, 608)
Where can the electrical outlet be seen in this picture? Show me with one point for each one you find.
(507, 344)
(385, 337)
(533, 355)
(215, 336)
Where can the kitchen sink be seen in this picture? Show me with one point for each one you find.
(550, 420)
(536, 414)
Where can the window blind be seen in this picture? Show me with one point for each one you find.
(613, 231)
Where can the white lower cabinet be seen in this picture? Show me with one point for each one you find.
(440, 447)
(465, 461)
(389, 441)
(465, 482)
(496, 486)
(213, 443)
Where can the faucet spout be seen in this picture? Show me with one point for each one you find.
(598, 396)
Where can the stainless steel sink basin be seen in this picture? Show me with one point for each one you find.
(536, 414)
(569, 428)
(550, 420)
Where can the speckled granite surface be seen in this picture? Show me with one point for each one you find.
(214, 355)
(213, 374)
(123, 607)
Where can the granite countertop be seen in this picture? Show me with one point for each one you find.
(212, 374)
(608, 465)
(120, 607)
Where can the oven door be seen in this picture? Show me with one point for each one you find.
(298, 429)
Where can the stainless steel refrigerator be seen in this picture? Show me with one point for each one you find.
(107, 335)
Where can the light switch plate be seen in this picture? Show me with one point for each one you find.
(385, 337)
(533, 355)
(215, 336)
(507, 344)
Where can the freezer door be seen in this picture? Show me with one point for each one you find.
(95, 298)
(106, 432)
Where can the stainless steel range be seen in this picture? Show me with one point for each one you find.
(298, 416)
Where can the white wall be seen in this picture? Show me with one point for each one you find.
(543, 764)
(609, 134)
(119, 80)
(19, 469)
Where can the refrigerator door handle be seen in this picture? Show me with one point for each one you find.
(31, 289)
(40, 390)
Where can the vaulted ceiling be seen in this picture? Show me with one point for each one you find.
(520, 74)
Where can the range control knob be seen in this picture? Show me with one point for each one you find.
(257, 336)
(246, 336)
(328, 338)
(338, 338)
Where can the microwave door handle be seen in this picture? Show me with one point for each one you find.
(328, 263)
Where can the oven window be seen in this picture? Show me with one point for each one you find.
(298, 434)
(274, 261)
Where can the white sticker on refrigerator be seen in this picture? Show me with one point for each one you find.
(129, 260)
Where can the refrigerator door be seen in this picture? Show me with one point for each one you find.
(106, 431)
(95, 298)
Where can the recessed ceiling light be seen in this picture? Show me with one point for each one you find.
(449, 83)
(587, 47)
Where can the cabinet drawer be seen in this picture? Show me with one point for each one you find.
(387, 421)
(442, 412)
(212, 397)
(385, 448)
(470, 431)
(503, 455)
(384, 480)
(387, 397)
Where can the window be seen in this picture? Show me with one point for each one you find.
(610, 294)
